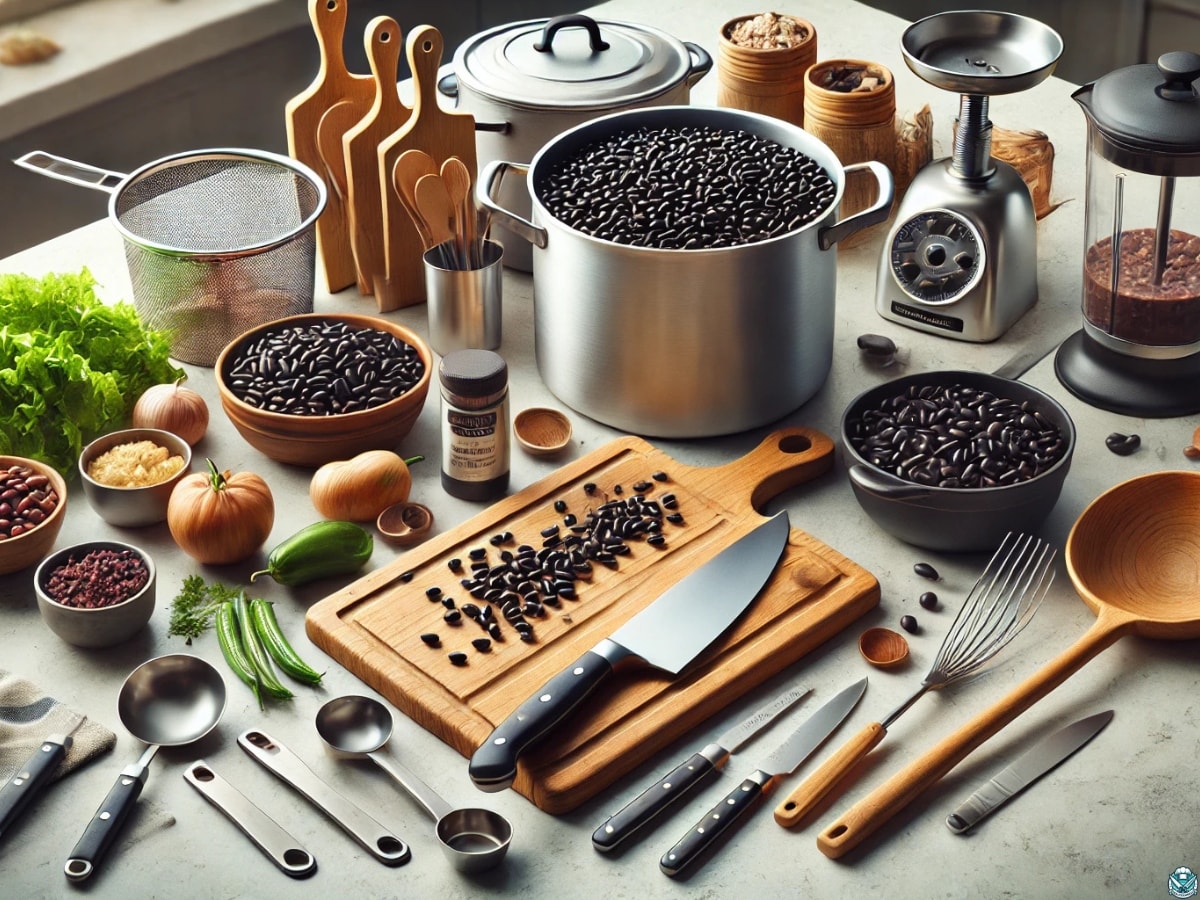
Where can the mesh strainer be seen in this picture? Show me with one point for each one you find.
(217, 241)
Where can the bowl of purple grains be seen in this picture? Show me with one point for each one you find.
(97, 593)
(953, 461)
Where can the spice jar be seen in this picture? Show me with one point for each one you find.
(761, 61)
(475, 424)
(850, 104)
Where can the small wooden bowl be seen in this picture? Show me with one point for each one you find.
(24, 550)
(315, 440)
(542, 431)
(883, 648)
(405, 524)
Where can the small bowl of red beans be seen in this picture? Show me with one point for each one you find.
(96, 594)
(33, 502)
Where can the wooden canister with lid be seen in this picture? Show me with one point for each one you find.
(850, 104)
(761, 61)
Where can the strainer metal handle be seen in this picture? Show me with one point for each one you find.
(70, 171)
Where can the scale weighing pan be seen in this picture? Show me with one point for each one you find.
(976, 52)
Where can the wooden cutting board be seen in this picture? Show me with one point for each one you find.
(333, 84)
(373, 627)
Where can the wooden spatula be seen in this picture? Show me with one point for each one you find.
(382, 41)
(441, 134)
(458, 186)
(410, 167)
(302, 115)
(338, 119)
(433, 202)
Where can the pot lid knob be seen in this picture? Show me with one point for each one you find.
(555, 25)
(1148, 116)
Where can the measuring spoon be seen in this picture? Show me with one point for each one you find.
(165, 702)
(472, 839)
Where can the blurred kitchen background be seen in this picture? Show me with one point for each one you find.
(140, 79)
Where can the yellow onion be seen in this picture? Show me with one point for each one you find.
(359, 489)
(173, 408)
(218, 517)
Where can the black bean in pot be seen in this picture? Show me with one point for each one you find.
(686, 188)
(323, 368)
(955, 436)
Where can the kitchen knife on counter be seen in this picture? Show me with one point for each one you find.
(667, 635)
(1046, 755)
(21, 788)
(684, 778)
(746, 796)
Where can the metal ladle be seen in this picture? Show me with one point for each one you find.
(472, 839)
(165, 702)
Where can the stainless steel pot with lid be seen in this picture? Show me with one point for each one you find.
(528, 81)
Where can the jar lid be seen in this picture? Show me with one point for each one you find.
(473, 373)
(571, 62)
(1150, 113)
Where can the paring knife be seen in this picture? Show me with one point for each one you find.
(21, 788)
(786, 759)
(667, 635)
(683, 779)
(1043, 757)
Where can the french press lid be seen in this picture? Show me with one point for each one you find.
(571, 62)
(1148, 116)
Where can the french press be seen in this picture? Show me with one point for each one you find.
(1138, 352)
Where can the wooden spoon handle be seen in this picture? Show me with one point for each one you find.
(800, 803)
(866, 816)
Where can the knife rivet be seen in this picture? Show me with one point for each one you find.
(578, 670)
(498, 741)
(545, 698)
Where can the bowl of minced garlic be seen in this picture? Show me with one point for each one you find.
(128, 475)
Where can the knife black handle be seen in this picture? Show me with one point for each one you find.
(99, 834)
(20, 789)
(494, 765)
(643, 808)
(719, 820)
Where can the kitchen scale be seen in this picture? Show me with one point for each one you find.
(961, 257)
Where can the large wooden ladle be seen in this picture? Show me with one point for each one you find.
(1134, 558)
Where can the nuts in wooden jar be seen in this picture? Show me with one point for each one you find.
(26, 499)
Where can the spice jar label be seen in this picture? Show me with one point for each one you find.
(477, 445)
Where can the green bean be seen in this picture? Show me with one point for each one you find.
(233, 650)
(258, 655)
(267, 626)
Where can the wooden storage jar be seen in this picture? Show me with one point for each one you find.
(769, 81)
(858, 125)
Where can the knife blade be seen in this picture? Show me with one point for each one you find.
(1046, 755)
(688, 775)
(787, 757)
(666, 635)
(21, 788)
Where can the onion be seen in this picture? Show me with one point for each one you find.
(173, 408)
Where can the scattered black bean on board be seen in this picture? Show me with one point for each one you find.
(483, 645)
(928, 600)
(431, 639)
(458, 658)
(322, 368)
(925, 570)
(909, 624)
(685, 188)
(956, 436)
(1123, 444)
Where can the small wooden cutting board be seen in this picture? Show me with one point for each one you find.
(374, 626)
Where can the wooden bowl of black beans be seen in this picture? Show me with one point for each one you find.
(953, 461)
(313, 388)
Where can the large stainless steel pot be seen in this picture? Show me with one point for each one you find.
(684, 343)
(528, 81)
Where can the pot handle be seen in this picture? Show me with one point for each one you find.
(884, 485)
(576, 20)
(702, 62)
(489, 179)
(876, 212)
(71, 171)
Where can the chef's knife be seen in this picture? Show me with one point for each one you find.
(21, 788)
(786, 759)
(667, 635)
(684, 778)
(1031, 765)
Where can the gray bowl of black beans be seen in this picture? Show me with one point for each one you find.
(953, 460)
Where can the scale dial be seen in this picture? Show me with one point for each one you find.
(937, 256)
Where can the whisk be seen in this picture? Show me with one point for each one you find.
(1000, 604)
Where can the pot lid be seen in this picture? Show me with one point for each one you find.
(571, 62)
(1149, 109)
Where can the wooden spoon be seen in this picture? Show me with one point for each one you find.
(433, 202)
(336, 121)
(458, 185)
(410, 167)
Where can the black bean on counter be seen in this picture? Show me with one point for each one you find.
(1123, 444)
(954, 436)
(323, 368)
(690, 187)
